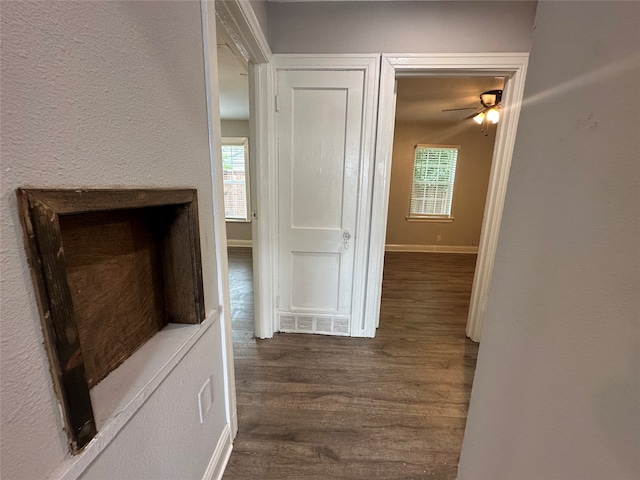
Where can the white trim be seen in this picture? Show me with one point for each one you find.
(394, 247)
(220, 457)
(380, 202)
(426, 219)
(220, 228)
(512, 65)
(369, 64)
(232, 242)
(494, 206)
(265, 228)
(243, 27)
(317, 61)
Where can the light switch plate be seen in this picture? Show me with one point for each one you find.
(205, 399)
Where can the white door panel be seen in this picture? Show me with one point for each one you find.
(320, 163)
(315, 265)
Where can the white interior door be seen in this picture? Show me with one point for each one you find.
(321, 167)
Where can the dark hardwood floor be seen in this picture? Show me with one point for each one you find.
(241, 293)
(392, 407)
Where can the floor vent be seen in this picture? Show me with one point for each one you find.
(319, 324)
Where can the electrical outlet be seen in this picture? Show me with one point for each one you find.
(438, 238)
(205, 399)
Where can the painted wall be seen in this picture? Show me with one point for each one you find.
(557, 386)
(165, 439)
(401, 27)
(237, 128)
(102, 94)
(470, 189)
(261, 9)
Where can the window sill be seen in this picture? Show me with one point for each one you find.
(237, 220)
(124, 391)
(430, 219)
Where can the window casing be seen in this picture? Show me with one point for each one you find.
(434, 172)
(235, 175)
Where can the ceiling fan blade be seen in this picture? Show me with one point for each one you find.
(455, 109)
(474, 114)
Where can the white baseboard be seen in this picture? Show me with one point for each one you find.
(220, 456)
(239, 243)
(234, 426)
(430, 248)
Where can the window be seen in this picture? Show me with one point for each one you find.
(235, 175)
(434, 171)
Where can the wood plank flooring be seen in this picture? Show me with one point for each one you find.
(392, 407)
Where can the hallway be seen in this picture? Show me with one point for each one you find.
(392, 407)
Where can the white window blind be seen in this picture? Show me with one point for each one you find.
(235, 178)
(434, 172)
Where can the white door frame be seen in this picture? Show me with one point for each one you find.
(510, 65)
(240, 21)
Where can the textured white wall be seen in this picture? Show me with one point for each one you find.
(557, 386)
(401, 27)
(98, 94)
(470, 192)
(165, 439)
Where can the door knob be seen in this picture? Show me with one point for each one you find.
(346, 236)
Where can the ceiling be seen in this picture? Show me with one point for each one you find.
(233, 80)
(423, 99)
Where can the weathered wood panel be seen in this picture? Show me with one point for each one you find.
(114, 269)
(110, 268)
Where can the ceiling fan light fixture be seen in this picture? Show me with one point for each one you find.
(491, 98)
(493, 115)
(479, 118)
(488, 98)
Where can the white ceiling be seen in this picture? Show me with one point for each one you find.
(423, 99)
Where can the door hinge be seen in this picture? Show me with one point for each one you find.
(277, 103)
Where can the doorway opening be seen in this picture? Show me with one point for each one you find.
(233, 82)
(440, 169)
(512, 69)
(441, 164)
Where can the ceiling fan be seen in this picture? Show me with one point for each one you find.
(489, 109)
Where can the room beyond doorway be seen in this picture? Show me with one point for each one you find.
(441, 164)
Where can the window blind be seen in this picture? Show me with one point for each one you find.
(434, 172)
(235, 182)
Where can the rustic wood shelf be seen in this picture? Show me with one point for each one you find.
(111, 268)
